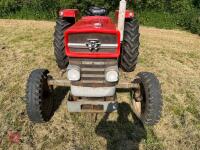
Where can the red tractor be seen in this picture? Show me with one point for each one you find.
(90, 51)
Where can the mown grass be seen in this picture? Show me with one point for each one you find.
(172, 55)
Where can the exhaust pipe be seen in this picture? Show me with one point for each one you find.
(121, 18)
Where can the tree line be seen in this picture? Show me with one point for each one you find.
(186, 13)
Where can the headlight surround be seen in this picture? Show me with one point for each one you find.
(73, 73)
(111, 74)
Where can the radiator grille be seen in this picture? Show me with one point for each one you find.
(93, 71)
(77, 42)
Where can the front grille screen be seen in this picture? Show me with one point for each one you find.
(79, 42)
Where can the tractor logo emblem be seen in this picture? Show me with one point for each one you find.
(93, 45)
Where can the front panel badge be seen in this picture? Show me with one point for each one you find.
(93, 45)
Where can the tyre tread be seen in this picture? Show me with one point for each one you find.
(154, 101)
(130, 46)
(59, 47)
(34, 95)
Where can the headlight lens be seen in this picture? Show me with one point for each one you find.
(73, 73)
(112, 76)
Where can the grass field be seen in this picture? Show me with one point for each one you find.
(173, 55)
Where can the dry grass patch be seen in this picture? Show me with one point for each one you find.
(173, 55)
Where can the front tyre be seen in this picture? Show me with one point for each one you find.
(147, 99)
(39, 101)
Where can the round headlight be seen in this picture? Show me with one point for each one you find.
(112, 76)
(73, 73)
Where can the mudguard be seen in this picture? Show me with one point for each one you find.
(129, 14)
(69, 13)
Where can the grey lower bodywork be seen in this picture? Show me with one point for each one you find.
(92, 91)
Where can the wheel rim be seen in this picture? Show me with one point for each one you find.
(138, 104)
(137, 108)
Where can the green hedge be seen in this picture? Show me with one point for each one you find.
(170, 14)
(190, 21)
(48, 7)
(158, 19)
(158, 13)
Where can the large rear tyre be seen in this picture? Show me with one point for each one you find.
(39, 100)
(62, 25)
(130, 45)
(147, 100)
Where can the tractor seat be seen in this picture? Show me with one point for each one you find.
(97, 11)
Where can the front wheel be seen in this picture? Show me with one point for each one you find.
(39, 101)
(147, 99)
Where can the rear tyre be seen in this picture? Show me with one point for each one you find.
(59, 47)
(130, 45)
(39, 101)
(149, 105)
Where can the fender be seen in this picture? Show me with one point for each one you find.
(129, 14)
(69, 13)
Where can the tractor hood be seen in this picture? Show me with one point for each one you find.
(93, 37)
(94, 23)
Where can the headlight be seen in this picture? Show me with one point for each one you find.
(112, 74)
(73, 73)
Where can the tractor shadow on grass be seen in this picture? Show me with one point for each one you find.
(59, 94)
(122, 134)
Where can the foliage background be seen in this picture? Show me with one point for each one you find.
(159, 13)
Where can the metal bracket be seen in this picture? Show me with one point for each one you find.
(67, 83)
(91, 106)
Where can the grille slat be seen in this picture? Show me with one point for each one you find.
(92, 78)
(92, 66)
(93, 81)
(92, 75)
(92, 72)
(93, 69)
